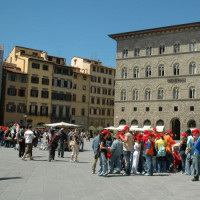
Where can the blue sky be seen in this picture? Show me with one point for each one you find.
(70, 28)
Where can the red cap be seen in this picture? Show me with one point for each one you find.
(126, 127)
(154, 128)
(105, 132)
(195, 131)
(146, 132)
(139, 135)
(184, 134)
(169, 131)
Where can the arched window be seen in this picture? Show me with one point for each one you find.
(123, 95)
(83, 98)
(192, 124)
(134, 122)
(122, 122)
(135, 95)
(161, 70)
(177, 47)
(149, 51)
(74, 97)
(160, 123)
(136, 72)
(125, 53)
(160, 93)
(193, 46)
(148, 71)
(147, 123)
(176, 69)
(124, 72)
(176, 93)
(148, 94)
(192, 93)
(192, 69)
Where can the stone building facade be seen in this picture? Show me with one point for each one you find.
(158, 77)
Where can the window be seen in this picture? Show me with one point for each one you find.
(98, 90)
(147, 109)
(176, 93)
(45, 81)
(50, 58)
(104, 91)
(176, 69)
(93, 78)
(60, 111)
(103, 101)
(162, 49)
(12, 91)
(73, 111)
(192, 69)
(21, 92)
(58, 60)
(122, 122)
(43, 110)
(122, 109)
(94, 69)
(147, 94)
(35, 54)
(149, 51)
(99, 79)
(85, 78)
(192, 94)
(35, 66)
(191, 108)
(110, 72)
(147, 122)
(160, 93)
(23, 79)
(123, 95)
(74, 86)
(175, 108)
(34, 93)
(75, 60)
(192, 124)
(159, 108)
(108, 112)
(54, 111)
(83, 98)
(84, 87)
(45, 94)
(125, 53)
(66, 84)
(34, 79)
(33, 110)
(110, 81)
(82, 112)
(177, 47)
(21, 108)
(109, 91)
(10, 107)
(124, 72)
(45, 67)
(136, 52)
(135, 95)
(134, 109)
(75, 76)
(105, 71)
(22, 52)
(93, 89)
(98, 100)
(193, 46)
(103, 111)
(148, 71)
(74, 97)
(136, 72)
(12, 78)
(104, 80)
(161, 70)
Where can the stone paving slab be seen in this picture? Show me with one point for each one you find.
(41, 180)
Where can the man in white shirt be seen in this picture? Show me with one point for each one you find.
(28, 135)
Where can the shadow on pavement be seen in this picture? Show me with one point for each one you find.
(8, 178)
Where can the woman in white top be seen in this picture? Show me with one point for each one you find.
(136, 154)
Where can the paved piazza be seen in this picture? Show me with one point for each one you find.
(41, 180)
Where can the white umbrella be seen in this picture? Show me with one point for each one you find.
(62, 125)
(111, 128)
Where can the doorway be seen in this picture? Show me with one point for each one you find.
(175, 124)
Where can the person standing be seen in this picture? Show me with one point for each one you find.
(75, 147)
(116, 152)
(21, 142)
(53, 144)
(128, 143)
(196, 158)
(96, 150)
(28, 135)
(61, 143)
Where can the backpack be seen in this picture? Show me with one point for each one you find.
(161, 151)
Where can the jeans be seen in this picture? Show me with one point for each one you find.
(183, 160)
(115, 161)
(1, 140)
(94, 164)
(103, 166)
(161, 164)
(149, 160)
(170, 161)
(127, 155)
(61, 148)
(141, 163)
(189, 164)
(21, 148)
(196, 160)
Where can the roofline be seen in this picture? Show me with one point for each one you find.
(28, 48)
(86, 59)
(156, 30)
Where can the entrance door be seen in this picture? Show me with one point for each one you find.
(175, 123)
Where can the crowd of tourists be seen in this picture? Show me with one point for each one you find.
(146, 153)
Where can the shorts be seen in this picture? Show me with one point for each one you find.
(28, 147)
(75, 150)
